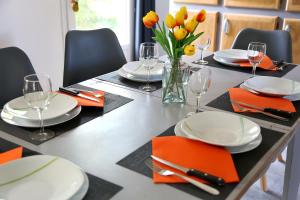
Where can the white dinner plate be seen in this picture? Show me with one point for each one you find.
(19, 121)
(224, 62)
(273, 85)
(60, 104)
(83, 190)
(40, 177)
(131, 77)
(220, 128)
(136, 69)
(232, 55)
(233, 150)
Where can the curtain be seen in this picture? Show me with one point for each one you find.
(141, 33)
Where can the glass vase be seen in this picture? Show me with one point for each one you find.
(174, 81)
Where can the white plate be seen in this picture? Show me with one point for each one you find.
(224, 62)
(83, 190)
(232, 55)
(59, 105)
(18, 121)
(233, 150)
(126, 75)
(136, 69)
(273, 85)
(220, 128)
(40, 177)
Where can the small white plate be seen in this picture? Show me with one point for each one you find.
(232, 55)
(18, 121)
(233, 150)
(136, 69)
(220, 128)
(40, 177)
(131, 77)
(60, 104)
(273, 86)
(224, 62)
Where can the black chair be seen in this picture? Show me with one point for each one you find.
(279, 43)
(14, 65)
(89, 54)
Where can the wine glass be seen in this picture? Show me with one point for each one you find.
(256, 52)
(199, 82)
(202, 46)
(149, 58)
(37, 90)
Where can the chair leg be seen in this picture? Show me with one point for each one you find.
(280, 159)
(263, 183)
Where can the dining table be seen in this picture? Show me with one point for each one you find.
(100, 144)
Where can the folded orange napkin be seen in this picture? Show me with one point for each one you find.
(242, 95)
(86, 102)
(11, 155)
(192, 154)
(266, 64)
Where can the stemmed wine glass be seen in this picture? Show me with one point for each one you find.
(256, 52)
(202, 46)
(199, 82)
(149, 58)
(37, 90)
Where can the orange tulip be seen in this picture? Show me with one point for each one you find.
(180, 33)
(189, 50)
(184, 12)
(170, 21)
(191, 25)
(150, 19)
(179, 17)
(201, 16)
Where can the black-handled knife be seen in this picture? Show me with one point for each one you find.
(193, 172)
(77, 93)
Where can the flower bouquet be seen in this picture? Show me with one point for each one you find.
(176, 41)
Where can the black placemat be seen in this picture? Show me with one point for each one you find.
(259, 71)
(114, 77)
(223, 103)
(87, 114)
(244, 162)
(99, 189)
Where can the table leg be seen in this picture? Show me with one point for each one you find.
(292, 173)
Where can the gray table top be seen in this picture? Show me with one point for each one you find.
(97, 145)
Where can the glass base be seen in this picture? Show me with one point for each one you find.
(147, 88)
(38, 136)
(201, 62)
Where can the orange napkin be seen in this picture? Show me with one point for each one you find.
(86, 102)
(242, 95)
(266, 64)
(192, 154)
(11, 155)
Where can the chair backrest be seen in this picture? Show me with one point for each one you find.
(279, 43)
(91, 53)
(14, 65)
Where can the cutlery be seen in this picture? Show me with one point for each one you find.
(87, 91)
(77, 93)
(165, 172)
(192, 172)
(262, 112)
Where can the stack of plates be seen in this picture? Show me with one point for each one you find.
(135, 71)
(231, 56)
(272, 86)
(236, 133)
(61, 109)
(42, 177)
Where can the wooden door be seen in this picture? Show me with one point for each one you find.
(207, 2)
(293, 5)
(293, 26)
(233, 23)
(209, 27)
(265, 4)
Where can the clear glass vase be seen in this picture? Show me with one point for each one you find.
(174, 81)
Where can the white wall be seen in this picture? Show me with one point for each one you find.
(36, 26)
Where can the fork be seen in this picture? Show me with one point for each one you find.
(165, 172)
(87, 91)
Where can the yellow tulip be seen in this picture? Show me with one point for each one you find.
(180, 33)
(184, 12)
(189, 50)
(150, 19)
(201, 16)
(179, 17)
(170, 21)
(191, 25)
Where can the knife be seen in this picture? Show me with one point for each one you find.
(278, 112)
(193, 172)
(77, 93)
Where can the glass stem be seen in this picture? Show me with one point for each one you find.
(40, 113)
(148, 77)
(201, 54)
(254, 69)
(198, 103)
